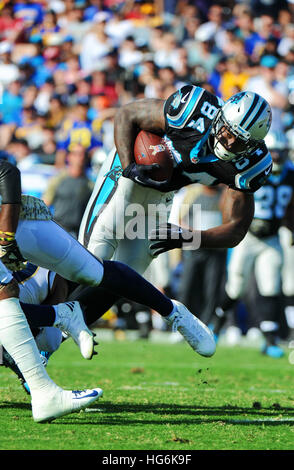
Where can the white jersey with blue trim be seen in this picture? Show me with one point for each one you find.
(35, 283)
(189, 114)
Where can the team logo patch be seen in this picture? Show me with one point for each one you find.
(115, 173)
(237, 97)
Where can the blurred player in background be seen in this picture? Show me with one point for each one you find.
(261, 251)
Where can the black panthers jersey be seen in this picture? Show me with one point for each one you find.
(271, 202)
(189, 115)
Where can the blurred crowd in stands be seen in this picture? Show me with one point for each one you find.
(65, 66)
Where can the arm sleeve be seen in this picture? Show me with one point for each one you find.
(10, 183)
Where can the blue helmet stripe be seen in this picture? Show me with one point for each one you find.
(261, 109)
(247, 115)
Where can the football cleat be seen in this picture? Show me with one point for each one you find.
(70, 320)
(196, 333)
(273, 351)
(63, 402)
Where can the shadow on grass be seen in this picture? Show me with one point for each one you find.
(108, 413)
(119, 414)
(15, 406)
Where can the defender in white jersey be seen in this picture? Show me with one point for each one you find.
(27, 232)
(211, 143)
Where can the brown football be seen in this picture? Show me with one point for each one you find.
(150, 148)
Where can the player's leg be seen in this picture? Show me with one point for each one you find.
(117, 217)
(43, 294)
(286, 238)
(214, 279)
(16, 336)
(37, 242)
(48, 400)
(239, 267)
(268, 278)
(176, 314)
(191, 290)
(134, 250)
(103, 191)
(39, 285)
(17, 339)
(118, 242)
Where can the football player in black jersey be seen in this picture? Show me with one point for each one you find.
(212, 142)
(260, 252)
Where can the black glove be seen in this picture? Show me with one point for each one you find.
(11, 257)
(141, 175)
(168, 237)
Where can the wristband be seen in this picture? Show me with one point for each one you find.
(7, 236)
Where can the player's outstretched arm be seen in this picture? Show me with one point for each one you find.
(147, 115)
(237, 211)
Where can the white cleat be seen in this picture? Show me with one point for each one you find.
(70, 320)
(63, 402)
(196, 333)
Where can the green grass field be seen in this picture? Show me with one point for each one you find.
(159, 397)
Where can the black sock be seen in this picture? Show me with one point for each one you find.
(95, 301)
(38, 315)
(270, 337)
(226, 302)
(125, 282)
(222, 312)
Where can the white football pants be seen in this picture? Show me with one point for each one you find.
(288, 265)
(44, 243)
(264, 257)
(119, 216)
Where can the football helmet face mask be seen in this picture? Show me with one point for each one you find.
(240, 125)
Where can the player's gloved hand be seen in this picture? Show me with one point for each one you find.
(168, 237)
(12, 257)
(141, 174)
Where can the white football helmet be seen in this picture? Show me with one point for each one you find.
(278, 145)
(247, 117)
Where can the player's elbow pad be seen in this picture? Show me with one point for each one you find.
(10, 183)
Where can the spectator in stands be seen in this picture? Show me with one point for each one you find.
(69, 191)
(276, 93)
